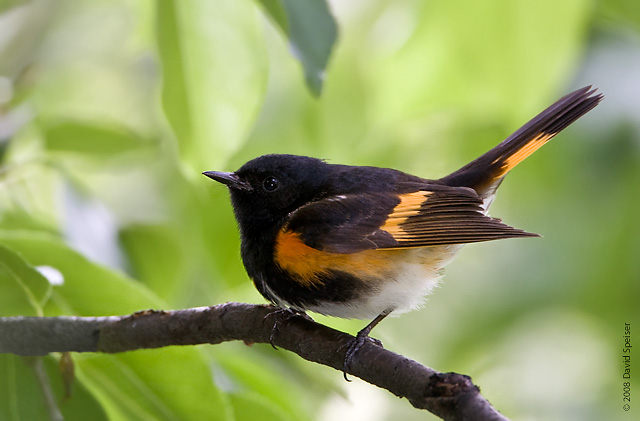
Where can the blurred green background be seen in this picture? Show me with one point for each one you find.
(110, 110)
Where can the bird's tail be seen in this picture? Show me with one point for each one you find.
(485, 173)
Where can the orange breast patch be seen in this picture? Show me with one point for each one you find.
(308, 264)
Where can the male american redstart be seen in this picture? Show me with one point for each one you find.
(363, 242)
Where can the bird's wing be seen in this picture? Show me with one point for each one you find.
(430, 215)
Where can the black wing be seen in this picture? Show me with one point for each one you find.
(430, 216)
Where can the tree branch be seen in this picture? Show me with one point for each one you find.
(450, 396)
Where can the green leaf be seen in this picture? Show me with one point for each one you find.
(214, 76)
(156, 256)
(10, 4)
(312, 32)
(88, 289)
(22, 398)
(251, 406)
(23, 290)
(453, 59)
(91, 139)
(168, 383)
(253, 374)
(619, 12)
(276, 10)
(18, 391)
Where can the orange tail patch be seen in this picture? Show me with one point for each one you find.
(521, 154)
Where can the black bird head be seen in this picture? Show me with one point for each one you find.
(266, 189)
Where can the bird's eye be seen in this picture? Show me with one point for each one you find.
(270, 183)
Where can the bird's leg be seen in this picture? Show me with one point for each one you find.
(282, 315)
(358, 341)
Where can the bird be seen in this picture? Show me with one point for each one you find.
(365, 242)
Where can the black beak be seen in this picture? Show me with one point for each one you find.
(229, 179)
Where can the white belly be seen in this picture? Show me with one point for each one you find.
(402, 290)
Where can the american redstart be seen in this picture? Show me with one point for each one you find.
(363, 242)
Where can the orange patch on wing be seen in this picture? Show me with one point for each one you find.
(409, 206)
(308, 264)
(521, 154)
